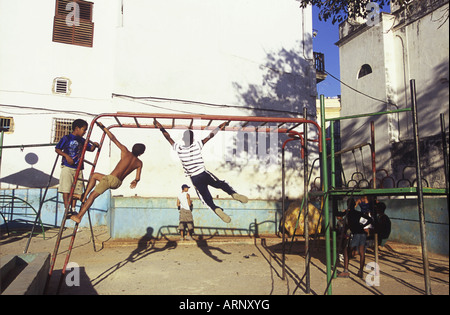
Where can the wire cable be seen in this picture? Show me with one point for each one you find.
(357, 91)
(163, 99)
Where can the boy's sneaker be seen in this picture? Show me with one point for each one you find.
(240, 197)
(225, 218)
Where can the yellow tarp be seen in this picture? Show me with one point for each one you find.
(292, 215)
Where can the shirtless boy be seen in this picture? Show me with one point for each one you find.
(128, 163)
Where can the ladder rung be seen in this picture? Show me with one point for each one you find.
(89, 162)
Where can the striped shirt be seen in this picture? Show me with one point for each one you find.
(191, 157)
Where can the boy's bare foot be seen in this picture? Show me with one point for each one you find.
(225, 218)
(344, 274)
(75, 217)
(360, 274)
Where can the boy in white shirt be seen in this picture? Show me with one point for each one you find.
(184, 204)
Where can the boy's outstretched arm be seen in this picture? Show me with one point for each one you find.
(112, 137)
(138, 176)
(164, 132)
(215, 131)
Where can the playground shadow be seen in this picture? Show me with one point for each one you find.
(167, 238)
(145, 246)
(149, 244)
(77, 283)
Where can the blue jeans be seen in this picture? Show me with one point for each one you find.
(205, 179)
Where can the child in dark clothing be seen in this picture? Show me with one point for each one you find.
(382, 223)
(356, 222)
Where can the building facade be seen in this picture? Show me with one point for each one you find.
(378, 58)
(61, 60)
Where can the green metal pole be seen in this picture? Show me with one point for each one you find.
(420, 201)
(1, 148)
(325, 193)
(333, 184)
(305, 198)
(371, 114)
(332, 149)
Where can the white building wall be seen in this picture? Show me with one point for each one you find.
(248, 54)
(368, 49)
(398, 50)
(424, 58)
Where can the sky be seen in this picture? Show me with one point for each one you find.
(327, 35)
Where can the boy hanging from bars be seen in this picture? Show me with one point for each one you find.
(128, 163)
(190, 154)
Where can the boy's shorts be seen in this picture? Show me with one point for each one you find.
(186, 219)
(107, 182)
(66, 179)
(358, 240)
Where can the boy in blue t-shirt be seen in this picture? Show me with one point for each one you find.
(70, 147)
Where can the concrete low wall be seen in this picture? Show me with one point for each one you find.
(137, 217)
(405, 228)
(24, 274)
(404, 217)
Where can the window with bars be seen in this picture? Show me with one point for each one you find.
(6, 124)
(61, 127)
(73, 23)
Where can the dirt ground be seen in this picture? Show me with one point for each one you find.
(222, 266)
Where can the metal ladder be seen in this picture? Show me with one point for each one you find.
(67, 210)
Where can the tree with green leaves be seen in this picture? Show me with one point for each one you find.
(340, 10)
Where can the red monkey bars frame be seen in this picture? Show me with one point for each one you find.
(284, 125)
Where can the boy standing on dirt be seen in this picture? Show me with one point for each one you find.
(184, 204)
(356, 222)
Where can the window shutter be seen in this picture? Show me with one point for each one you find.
(81, 35)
